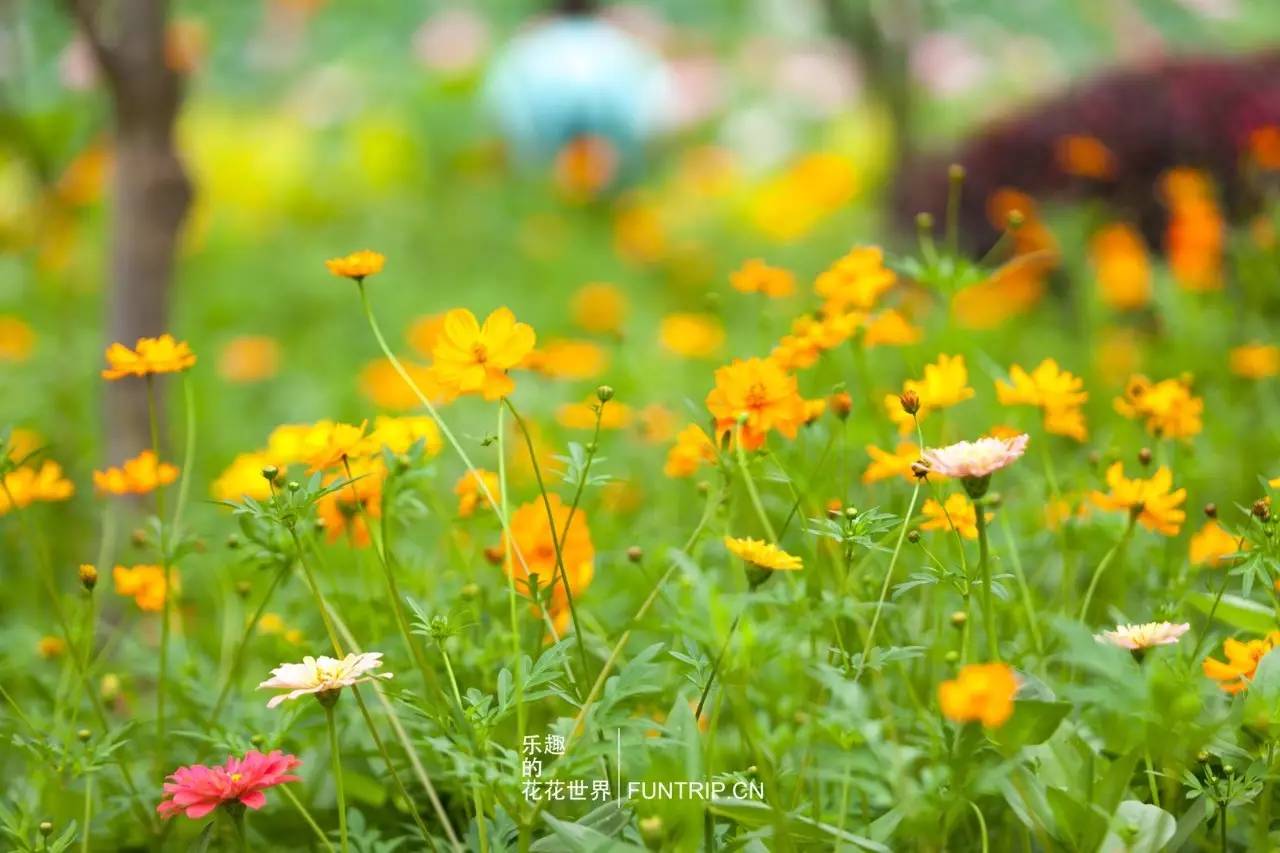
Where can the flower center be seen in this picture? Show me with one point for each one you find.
(236, 777)
(480, 351)
(757, 396)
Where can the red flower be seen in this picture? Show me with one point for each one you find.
(198, 790)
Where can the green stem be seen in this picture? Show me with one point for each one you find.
(751, 484)
(1033, 621)
(984, 570)
(982, 824)
(888, 578)
(306, 816)
(391, 768)
(88, 813)
(166, 609)
(1106, 561)
(237, 656)
(337, 777)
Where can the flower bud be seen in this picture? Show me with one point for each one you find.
(913, 537)
(470, 591)
(233, 541)
(919, 470)
(635, 553)
(910, 401)
(294, 485)
(1014, 219)
(652, 830)
(88, 576)
(958, 618)
(495, 554)
(1144, 456)
(604, 393)
(243, 588)
(1211, 510)
(924, 222)
(952, 656)
(270, 472)
(257, 740)
(841, 404)
(46, 828)
(138, 538)
(955, 173)
(83, 735)
(110, 687)
(1262, 509)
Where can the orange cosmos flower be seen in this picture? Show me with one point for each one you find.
(811, 336)
(532, 537)
(761, 391)
(16, 339)
(49, 647)
(326, 443)
(424, 332)
(1058, 393)
(148, 357)
(138, 476)
(1084, 157)
(691, 335)
(1242, 661)
(763, 555)
(855, 281)
(755, 276)
(474, 359)
(890, 328)
(585, 166)
(945, 383)
(1196, 233)
(27, 485)
(145, 584)
(1212, 545)
(958, 513)
(470, 495)
(1120, 261)
(600, 308)
(249, 358)
(692, 450)
(564, 359)
(383, 384)
(981, 692)
(357, 265)
(657, 424)
(1264, 146)
(583, 415)
(1153, 500)
(1255, 361)
(344, 511)
(1168, 407)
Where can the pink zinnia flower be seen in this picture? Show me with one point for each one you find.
(198, 790)
(975, 459)
(1137, 637)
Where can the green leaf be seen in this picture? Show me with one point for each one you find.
(1235, 611)
(1033, 721)
(756, 814)
(1138, 828)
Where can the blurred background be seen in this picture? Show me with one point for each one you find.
(187, 166)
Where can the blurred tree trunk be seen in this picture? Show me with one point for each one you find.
(151, 192)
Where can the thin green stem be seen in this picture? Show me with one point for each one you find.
(391, 768)
(984, 571)
(306, 816)
(751, 484)
(237, 656)
(336, 755)
(1028, 604)
(888, 579)
(982, 824)
(88, 813)
(166, 609)
(1106, 561)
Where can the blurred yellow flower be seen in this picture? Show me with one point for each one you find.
(243, 479)
(1056, 392)
(249, 358)
(16, 339)
(1167, 408)
(22, 443)
(855, 281)
(148, 357)
(327, 443)
(474, 359)
(424, 332)
(1154, 499)
(1255, 361)
(1211, 545)
(583, 415)
(890, 328)
(657, 423)
(357, 265)
(145, 584)
(810, 337)
(693, 449)
(1120, 261)
(50, 647)
(599, 308)
(1242, 661)
(958, 513)
(886, 464)
(639, 234)
(979, 693)
(763, 555)
(27, 485)
(691, 335)
(383, 384)
(138, 476)
(400, 434)
(791, 204)
(755, 276)
(566, 359)
(471, 496)
(945, 383)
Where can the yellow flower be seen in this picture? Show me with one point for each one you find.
(474, 359)
(271, 623)
(149, 356)
(565, 359)
(327, 443)
(810, 337)
(1153, 499)
(981, 692)
(691, 335)
(1058, 393)
(755, 276)
(21, 444)
(599, 308)
(945, 383)
(855, 281)
(383, 384)
(1255, 361)
(27, 485)
(287, 443)
(760, 392)
(51, 647)
(345, 511)
(583, 415)
(249, 358)
(357, 265)
(424, 332)
(400, 434)
(890, 328)
(243, 478)
(1120, 260)
(639, 234)
(958, 514)
(16, 339)
(1168, 408)
(145, 584)
(886, 464)
(763, 555)
(693, 449)
(138, 476)
(1211, 545)
(470, 495)
(1242, 661)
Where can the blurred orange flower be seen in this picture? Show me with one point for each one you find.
(243, 478)
(763, 555)
(855, 281)
(400, 434)
(27, 485)
(1119, 258)
(693, 449)
(249, 358)
(327, 443)
(1242, 661)
(981, 692)
(566, 359)
(599, 307)
(1196, 233)
(1084, 157)
(357, 265)
(470, 495)
(148, 357)
(755, 276)
(344, 511)
(145, 584)
(138, 476)
(583, 415)
(1211, 545)
(474, 359)
(890, 328)
(1255, 361)
(532, 535)
(16, 339)
(691, 335)
(1167, 408)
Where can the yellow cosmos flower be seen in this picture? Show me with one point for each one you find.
(980, 692)
(346, 512)
(1058, 393)
(565, 359)
(945, 383)
(357, 265)
(423, 333)
(400, 434)
(755, 276)
(583, 415)
(149, 356)
(897, 463)
(144, 584)
(1167, 408)
(249, 358)
(327, 443)
(599, 308)
(811, 336)
(471, 496)
(382, 383)
(474, 359)
(890, 328)
(1084, 157)
(855, 281)
(958, 513)
(1154, 501)
(138, 476)
(692, 450)
(1212, 545)
(1255, 361)
(763, 555)
(243, 478)
(27, 485)
(691, 335)
(762, 393)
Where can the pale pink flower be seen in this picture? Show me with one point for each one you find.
(322, 675)
(975, 459)
(1136, 637)
(197, 790)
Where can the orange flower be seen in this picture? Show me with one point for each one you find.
(1264, 146)
(1153, 500)
(693, 449)
(1120, 260)
(657, 424)
(762, 392)
(583, 415)
(27, 485)
(691, 335)
(357, 265)
(148, 357)
(565, 359)
(138, 476)
(344, 512)
(1168, 407)
(1211, 545)
(1196, 233)
(958, 514)
(763, 555)
(16, 339)
(980, 692)
(51, 647)
(327, 443)
(639, 234)
(855, 281)
(755, 276)
(890, 328)
(810, 337)
(249, 358)
(470, 495)
(145, 584)
(1084, 157)
(383, 384)
(945, 383)
(424, 332)
(885, 464)
(585, 166)
(474, 359)
(1242, 661)
(533, 540)
(600, 308)
(1255, 361)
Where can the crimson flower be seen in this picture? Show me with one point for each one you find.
(198, 790)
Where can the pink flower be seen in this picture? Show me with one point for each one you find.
(1135, 637)
(198, 790)
(975, 459)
